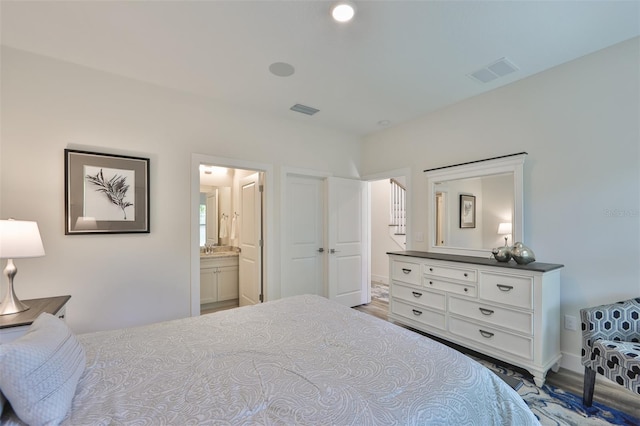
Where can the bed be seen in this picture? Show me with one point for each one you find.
(302, 360)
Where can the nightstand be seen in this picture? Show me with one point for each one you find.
(13, 326)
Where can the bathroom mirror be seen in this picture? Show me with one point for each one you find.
(215, 212)
(472, 206)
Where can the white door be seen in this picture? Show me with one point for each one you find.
(304, 251)
(348, 268)
(250, 257)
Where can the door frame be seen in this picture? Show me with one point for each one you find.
(269, 250)
(406, 172)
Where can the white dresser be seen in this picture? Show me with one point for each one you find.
(508, 311)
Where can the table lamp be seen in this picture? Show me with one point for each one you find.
(505, 228)
(18, 239)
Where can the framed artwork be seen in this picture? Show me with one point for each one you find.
(105, 194)
(467, 211)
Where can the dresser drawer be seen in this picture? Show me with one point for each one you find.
(419, 296)
(450, 287)
(407, 272)
(419, 314)
(520, 321)
(511, 290)
(492, 338)
(461, 274)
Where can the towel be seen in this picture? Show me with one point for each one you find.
(233, 228)
(223, 227)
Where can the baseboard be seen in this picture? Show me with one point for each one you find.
(572, 362)
(382, 279)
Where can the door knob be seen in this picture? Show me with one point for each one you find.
(320, 250)
(333, 251)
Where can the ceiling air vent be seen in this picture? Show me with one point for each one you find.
(499, 68)
(304, 109)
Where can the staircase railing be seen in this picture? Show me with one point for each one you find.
(398, 216)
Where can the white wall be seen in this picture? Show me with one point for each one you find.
(579, 122)
(498, 202)
(123, 280)
(463, 237)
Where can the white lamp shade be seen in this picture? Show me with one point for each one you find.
(504, 228)
(20, 238)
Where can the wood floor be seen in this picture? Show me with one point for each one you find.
(609, 394)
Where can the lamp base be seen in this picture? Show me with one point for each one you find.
(11, 304)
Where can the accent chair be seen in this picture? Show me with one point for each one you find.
(611, 345)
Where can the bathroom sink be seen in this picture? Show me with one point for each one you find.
(221, 251)
(219, 254)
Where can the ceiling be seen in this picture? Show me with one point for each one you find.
(395, 61)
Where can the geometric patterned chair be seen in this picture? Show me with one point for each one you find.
(611, 345)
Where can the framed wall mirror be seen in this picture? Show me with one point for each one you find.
(473, 207)
(215, 212)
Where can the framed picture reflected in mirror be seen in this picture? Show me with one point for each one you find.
(467, 211)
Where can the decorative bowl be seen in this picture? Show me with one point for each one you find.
(522, 254)
(502, 254)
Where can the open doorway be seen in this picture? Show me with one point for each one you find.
(231, 218)
(390, 222)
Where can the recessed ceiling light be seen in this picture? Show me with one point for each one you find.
(343, 11)
(281, 69)
(208, 170)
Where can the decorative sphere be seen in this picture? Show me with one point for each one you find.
(522, 254)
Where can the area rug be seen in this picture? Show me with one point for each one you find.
(554, 406)
(380, 291)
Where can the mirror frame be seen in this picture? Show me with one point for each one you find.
(512, 163)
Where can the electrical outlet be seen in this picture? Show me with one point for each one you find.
(570, 323)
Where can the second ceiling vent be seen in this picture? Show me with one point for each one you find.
(498, 69)
(304, 109)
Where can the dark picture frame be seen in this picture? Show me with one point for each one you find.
(105, 193)
(467, 211)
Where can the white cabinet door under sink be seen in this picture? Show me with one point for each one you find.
(218, 279)
(227, 283)
(208, 285)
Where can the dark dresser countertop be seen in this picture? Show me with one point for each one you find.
(50, 305)
(533, 266)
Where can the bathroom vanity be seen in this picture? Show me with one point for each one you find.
(218, 277)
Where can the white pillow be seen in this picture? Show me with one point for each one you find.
(40, 370)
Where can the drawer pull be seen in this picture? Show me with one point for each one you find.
(486, 311)
(466, 289)
(486, 334)
(406, 271)
(430, 282)
(416, 312)
(416, 294)
(430, 269)
(466, 275)
(503, 287)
